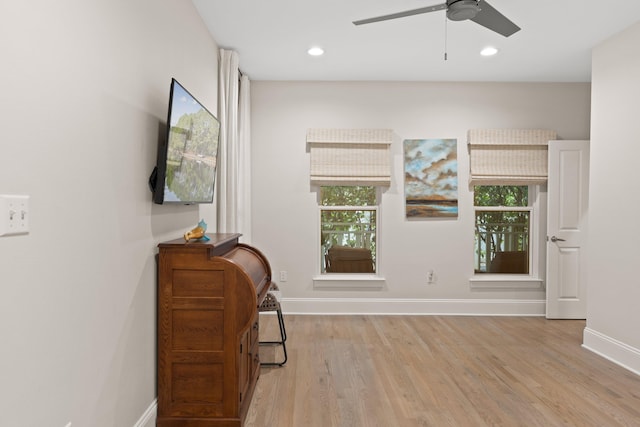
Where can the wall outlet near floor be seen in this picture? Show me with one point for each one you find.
(431, 278)
(283, 276)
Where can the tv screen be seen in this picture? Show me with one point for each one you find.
(185, 172)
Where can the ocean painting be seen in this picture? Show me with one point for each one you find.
(431, 178)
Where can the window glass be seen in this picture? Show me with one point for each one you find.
(348, 196)
(502, 229)
(501, 195)
(348, 227)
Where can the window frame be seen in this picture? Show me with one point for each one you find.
(349, 281)
(534, 280)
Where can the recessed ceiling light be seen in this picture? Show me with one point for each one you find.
(488, 51)
(315, 51)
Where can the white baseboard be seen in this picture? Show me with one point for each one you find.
(398, 306)
(148, 419)
(616, 351)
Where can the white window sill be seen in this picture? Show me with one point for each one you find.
(506, 282)
(348, 281)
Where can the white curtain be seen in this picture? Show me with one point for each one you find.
(234, 185)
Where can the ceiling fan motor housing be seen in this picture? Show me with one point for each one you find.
(460, 10)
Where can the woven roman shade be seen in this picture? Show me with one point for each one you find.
(508, 156)
(350, 156)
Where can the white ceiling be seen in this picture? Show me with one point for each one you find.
(554, 45)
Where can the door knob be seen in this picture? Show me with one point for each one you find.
(557, 239)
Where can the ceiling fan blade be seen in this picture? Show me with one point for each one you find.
(401, 14)
(495, 21)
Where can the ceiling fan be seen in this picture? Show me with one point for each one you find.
(478, 11)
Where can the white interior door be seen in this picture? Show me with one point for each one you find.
(568, 192)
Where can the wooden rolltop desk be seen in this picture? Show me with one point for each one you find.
(208, 360)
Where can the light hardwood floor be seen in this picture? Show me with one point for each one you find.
(405, 371)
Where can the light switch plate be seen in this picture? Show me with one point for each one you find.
(14, 215)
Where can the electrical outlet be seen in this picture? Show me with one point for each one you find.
(430, 277)
(14, 215)
(283, 276)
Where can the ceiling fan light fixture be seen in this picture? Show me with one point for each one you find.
(462, 10)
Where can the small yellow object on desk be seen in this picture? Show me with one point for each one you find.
(198, 232)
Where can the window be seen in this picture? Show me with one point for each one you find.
(350, 167)
(348, 228)
(503, 217)
(508, 171)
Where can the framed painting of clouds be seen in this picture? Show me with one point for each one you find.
(431, 178)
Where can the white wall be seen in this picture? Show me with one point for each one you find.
(613, 287)
(84, 93)
(285, 215)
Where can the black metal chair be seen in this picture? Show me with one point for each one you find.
(272, 303)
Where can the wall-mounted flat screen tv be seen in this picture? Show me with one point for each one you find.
(185, 172)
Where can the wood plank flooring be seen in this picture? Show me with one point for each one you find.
(405, 371)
